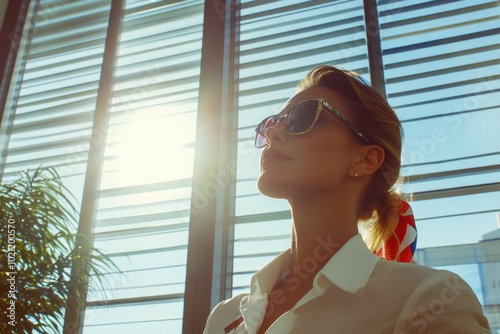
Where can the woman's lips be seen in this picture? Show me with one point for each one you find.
(273, 155)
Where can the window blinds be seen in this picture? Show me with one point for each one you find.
(144, 198)
(441, 67)
(142, 220)
(53, 93)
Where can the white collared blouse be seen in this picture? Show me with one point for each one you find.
(357, 292)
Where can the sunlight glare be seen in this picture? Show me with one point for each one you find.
(152, 148)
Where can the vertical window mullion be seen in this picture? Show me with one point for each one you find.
(13, 43)
(74, 311)
(204, 224)
(223, 284)
(374, 47)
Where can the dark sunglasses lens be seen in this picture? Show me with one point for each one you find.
(260, 136)
(301, 117)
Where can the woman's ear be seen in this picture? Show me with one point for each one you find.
(370, 159)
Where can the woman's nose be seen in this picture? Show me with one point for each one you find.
(276, 133)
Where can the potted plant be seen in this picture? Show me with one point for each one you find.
(38, 224)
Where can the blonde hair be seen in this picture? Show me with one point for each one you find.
(372, 115)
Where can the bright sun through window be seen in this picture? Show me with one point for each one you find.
(153, 145)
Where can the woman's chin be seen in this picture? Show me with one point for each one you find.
(272, 187)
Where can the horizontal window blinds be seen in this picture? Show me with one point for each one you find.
(441, 63)
(53, 93)
(280, 41)
(144, 201)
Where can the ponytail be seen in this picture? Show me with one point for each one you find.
(382, 221)
(392, 230)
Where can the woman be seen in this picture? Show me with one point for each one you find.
(333, 153)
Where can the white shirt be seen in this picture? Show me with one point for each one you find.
(356, 292)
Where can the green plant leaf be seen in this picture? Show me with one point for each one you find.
(47, 251)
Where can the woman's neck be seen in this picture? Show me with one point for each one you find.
(321, 226)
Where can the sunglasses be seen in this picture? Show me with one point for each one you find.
(301, 119)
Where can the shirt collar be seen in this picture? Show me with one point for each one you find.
(253, 307)
(349, 269)
(264, 280)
